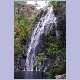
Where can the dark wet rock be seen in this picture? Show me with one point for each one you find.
(23, 64)
(19, 62)
(61, 24)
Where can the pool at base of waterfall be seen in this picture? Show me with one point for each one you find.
(29, 75)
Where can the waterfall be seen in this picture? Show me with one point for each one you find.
(55, 23)
(42, 25)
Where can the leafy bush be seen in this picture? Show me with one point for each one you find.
(22, 29)
(58, 71)
(63, 66)
(40, 57)
(17, 49)
(18, 3)
(52, 50)
(56, 5)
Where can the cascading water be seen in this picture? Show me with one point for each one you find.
(55, 23)
(44, 23)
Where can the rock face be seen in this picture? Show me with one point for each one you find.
(61, 76)
(27, 9)
(61, 27)
(61, 24)
(19, 62)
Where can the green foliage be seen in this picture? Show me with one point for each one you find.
(21, 35)
(37, 16)
(57, 71)
(55, 48)
(18, 3)
(63, 66)
(23, 26)
(52, 73)
(62, 53)
(36, 4)
(22, 29)
(52, 50)
(36, 64)
(57, 6)
(40, 57)
(17, 49)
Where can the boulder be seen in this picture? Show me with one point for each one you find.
(63, 76)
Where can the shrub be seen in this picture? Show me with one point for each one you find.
(40, 57)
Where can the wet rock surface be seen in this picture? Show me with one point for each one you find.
(19, 62)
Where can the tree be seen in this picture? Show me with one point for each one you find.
(36, 4)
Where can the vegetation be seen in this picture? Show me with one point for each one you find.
(56, 5)
(40, 58)
(22, 30)
(18, 3)
(57, 71)
(55, 47)
(23, 26)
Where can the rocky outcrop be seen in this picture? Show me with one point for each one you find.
(27, 9)
(63, 76)
(19, 62)
(61, 24)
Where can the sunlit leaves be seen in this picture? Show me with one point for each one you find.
(36, 64)
(22, 30)
(55, 4)
(52, 50)
(40, 57)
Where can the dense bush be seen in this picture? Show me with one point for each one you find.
(52, 50)
(23, 26)
(57, 71)
(22, 30)
(56, 5)
(40, 57)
